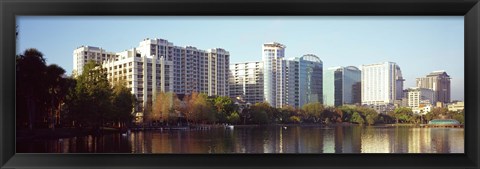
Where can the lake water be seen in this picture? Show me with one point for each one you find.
(271, 139)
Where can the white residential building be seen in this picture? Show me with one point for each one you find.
(382, 84)
(274, 73)
(420, 100)
(246, 82)
(157, 65)
(83, 54)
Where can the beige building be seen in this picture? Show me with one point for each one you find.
(439, 82)
(246, 82)
(157, 65)
(457, 106)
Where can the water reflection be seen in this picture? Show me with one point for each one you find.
(272, 139)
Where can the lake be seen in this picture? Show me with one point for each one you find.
(263, 139)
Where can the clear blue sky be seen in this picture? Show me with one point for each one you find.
(418, 44)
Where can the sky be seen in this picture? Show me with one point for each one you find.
(418, 44)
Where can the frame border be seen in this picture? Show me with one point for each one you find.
(470, 9)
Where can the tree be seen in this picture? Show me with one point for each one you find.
(459, 116)
(402, 114)
(233, 118)
(57, 87)
(285, 113)
(313, 111)
(93, 95)
(260, 113)
(198, 109)
(371, 118)
(30, 88)
(357, 118)
(163, 106)
(123, 104)
(224, 106)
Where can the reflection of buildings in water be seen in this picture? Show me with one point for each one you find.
(440, 137)
(419, 140)
(328, 141)
(401, 140)
(357, 139)
(375, 140)
(339, 138)
(414, 140)
(456, 141)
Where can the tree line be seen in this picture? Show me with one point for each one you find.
(47, 98)
(199, 108)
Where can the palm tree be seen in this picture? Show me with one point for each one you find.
(57, 89)
(30, 68)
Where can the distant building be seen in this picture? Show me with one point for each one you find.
(157, 65)
(246, 82)
(83, 54)
(342, 85)
(274, 75)
(438, 81)
(382, 84)
(420, 99)
(457, 106)
(304, 80)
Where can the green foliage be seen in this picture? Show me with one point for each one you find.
(403, 114)
(92, 104)
(259, 117)
(199, 109)
(460, 117)
(294, 119)
(123, 104)
(40, 89)
(261, 113)
(313, 111)
(233, 118)
(357, 118)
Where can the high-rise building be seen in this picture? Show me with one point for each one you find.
(382, 84)
(304, 80)
(157, 65)
(144, 75)
(246, 82)
(439, 82)
(274, 73)
(420, 98)
(341, 85)
(83, 54)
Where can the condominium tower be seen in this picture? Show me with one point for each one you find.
(439, 82)
(246, 82)
(382, 84)
(304, 78)
(341, 85)
(274, 73)
(157, 65)
(420, 98)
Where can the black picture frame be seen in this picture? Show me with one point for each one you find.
(470, 9)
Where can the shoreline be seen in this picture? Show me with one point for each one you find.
(26, 134)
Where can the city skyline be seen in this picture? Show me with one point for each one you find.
(335, 47)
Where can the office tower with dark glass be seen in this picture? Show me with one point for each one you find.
(342, 86)
(304, 80)
(439, 82)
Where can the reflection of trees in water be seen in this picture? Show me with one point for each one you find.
(440, 140)
(272, 139)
